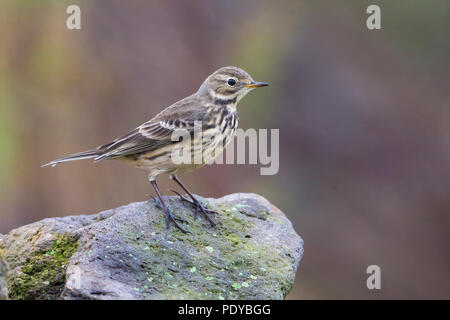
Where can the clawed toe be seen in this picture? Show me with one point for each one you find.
(198, 206)
(182, 198)
(170, 217)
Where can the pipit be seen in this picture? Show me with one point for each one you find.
(210, 112)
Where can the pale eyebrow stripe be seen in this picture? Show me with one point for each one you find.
(225, 77)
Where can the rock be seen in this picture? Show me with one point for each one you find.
(3, 287)
(128, 253)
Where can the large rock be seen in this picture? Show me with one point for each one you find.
(3, 287)
(128, 253)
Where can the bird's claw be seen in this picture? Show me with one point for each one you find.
(170, 217)
(198, 206)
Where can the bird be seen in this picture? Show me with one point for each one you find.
(210, 112)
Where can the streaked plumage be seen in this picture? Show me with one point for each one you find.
(150, 146)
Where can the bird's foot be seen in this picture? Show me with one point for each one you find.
(198, 207)
(169, 216)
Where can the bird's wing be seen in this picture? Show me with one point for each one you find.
(147, 137)
(185, 114)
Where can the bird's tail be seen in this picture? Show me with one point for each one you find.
(77, 156)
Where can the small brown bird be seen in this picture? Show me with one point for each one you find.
(210, 112)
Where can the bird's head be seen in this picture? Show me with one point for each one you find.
(229, 83)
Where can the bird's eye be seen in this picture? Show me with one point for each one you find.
(231, 82)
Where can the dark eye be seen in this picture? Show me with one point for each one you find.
(231, 82)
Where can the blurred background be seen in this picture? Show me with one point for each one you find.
(364, 119)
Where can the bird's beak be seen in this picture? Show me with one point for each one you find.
(255, 84)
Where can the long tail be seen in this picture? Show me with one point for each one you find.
(77, 156)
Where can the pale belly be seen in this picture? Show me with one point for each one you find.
(180, 157)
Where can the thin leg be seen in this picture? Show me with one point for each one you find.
(195, 202)
(169, 216)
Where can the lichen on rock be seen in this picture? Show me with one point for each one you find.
(3, 286)
(41, 276)
(128, 253)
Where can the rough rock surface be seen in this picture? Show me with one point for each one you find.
(3, 287)
(127, 253)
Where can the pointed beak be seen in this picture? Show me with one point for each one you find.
(255, 84)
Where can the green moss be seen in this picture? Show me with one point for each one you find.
(43, 272)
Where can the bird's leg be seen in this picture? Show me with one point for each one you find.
(182, 198)
(159, 205)
(194, 201)
(169, 215)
